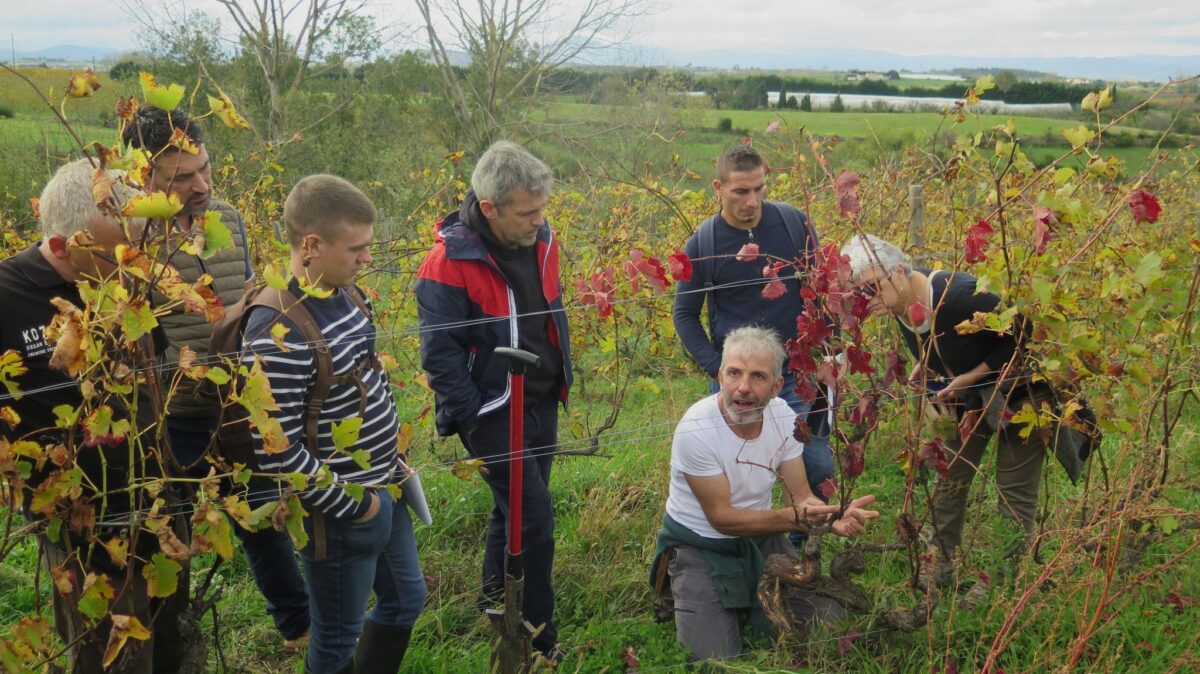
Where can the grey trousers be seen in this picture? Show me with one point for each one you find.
(709, 630)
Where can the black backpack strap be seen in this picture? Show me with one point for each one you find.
(706, 241)
(804, 238)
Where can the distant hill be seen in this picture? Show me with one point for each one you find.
(68, 52)
(1136, 67)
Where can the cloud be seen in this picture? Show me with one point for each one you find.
(1012, 28)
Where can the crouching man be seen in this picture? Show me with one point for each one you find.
(728, 452)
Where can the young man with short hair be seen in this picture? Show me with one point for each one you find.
(354, 544)
(732, 288)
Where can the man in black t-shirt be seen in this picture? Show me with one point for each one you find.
(78, 243)
(973, 369)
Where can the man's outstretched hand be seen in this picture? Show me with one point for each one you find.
(854, 520)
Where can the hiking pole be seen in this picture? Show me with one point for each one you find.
(514, 634)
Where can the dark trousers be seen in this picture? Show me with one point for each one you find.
(269, 553)
(489, 441)
(163, 652)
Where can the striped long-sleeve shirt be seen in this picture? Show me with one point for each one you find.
(351, 337)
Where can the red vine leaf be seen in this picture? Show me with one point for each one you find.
(680, 266)
(977, 241)
(827, 488)
(853, 460)
(859, 360)
(845, 186)
(1043, 228)
(748, 253)
(917, 314)
(774, 290)
(1144, 206)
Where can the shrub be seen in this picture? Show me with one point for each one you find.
(806, 103)
(725, 124)
(837, 105)
(5, 112)
(125, 70)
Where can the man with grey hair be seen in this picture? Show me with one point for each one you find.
(79, 243)
(491, 279)
(976, 375)
(727, 453)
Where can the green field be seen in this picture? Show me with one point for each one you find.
(870, 135)
(47, 134)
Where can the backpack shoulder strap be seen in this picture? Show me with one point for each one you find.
(359, 298)
(706, 242)
(287, 304)
(804, 238)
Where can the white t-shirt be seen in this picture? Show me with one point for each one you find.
(705, 446)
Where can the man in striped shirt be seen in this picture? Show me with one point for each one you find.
(355, 544)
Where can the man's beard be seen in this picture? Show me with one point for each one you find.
(752, 415)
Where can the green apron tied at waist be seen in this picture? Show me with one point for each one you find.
(735, 564)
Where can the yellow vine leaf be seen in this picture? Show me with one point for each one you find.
(157, 205)
(223, 108)
(124, 628)
(404, 438)
(97, 592)
(344, 433)
(165, 97)
(12, 366)
(162, 575)
(465, 469)
(69, 337)
(81, 85)
(278, 332)
(184, 142)
(118, 550)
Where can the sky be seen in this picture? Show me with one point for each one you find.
(1042, 28)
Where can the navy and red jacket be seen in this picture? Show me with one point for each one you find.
(466, 309)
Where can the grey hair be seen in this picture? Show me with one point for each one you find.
(866, 251)
(752, 340)
(67, 204)
(505, 168)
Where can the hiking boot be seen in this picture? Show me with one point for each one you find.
(296, 645)
(381, 648)
(551, 658)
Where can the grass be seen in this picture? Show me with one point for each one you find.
(19, 96)
(607, 511)
(865, 136)
(47, 135)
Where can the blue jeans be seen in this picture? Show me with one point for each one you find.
(379, 554)
(269, 553)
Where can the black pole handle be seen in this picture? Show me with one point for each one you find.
(518, 359)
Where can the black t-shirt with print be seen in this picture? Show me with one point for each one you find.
(27, 285)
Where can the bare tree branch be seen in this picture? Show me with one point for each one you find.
(513, 45)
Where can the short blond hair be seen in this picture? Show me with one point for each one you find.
(67, 205)
(323, 204)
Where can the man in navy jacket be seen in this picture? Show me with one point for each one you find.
(491, 279)
(735, 298)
